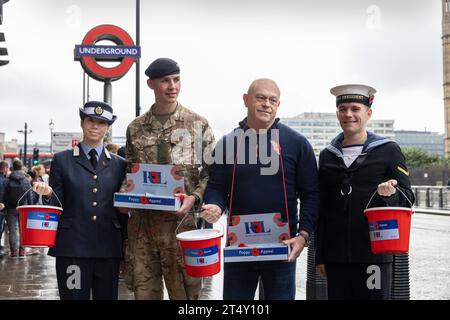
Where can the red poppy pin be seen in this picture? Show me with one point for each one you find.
(144, 200)
(255, 252)
(371, 99)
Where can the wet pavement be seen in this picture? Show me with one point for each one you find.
(34, 277)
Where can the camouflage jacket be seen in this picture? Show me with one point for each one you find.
(185, 136)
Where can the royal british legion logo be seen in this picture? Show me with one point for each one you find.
(153, 177)
(255, 227)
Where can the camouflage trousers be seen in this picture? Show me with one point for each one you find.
(152, 254)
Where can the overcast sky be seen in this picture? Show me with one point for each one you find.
(307, 47)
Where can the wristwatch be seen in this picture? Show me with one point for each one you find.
(305, 236)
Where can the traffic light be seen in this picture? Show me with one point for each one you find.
(3, 51)
(1, 9)
(35, 156)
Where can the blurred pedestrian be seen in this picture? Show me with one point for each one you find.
(112, 148)
(17, 184)
(4, 171)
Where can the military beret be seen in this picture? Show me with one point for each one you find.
(162, 67)
(98, 110)
(354, 93)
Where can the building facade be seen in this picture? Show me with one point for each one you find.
(446, 70)
(321, 127)
(431, 142)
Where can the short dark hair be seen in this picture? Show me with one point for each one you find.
(17, 165)
(121, 152)
(4, 164)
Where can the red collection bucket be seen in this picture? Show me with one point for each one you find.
(38, 225)
(201, 251)
(389, 228)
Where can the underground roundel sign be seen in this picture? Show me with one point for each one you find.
(89, 54)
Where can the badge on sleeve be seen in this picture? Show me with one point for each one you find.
(403, 171)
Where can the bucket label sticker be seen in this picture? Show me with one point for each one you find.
(265, 252)
(383, 230)
(150, 200)
(248, 252)
(42, 220)
(199, 257)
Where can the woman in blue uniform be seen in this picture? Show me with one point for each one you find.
(88, 245)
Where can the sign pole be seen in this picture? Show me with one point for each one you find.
(107, 97)
(138, 36)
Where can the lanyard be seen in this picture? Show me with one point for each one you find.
(282, 175)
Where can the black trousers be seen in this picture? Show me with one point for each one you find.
(358, 281)
(77, 277)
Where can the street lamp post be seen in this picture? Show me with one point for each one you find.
(138, 40)
(25, 133)
(51, 125)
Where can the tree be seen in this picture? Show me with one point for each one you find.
(417, 158)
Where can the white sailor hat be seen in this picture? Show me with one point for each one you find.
(98, 110)
(359, 93)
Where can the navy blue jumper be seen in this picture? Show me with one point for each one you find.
(255, 192)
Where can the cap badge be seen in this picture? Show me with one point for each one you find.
(98, 110)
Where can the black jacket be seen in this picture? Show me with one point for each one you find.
(343, 232)
(15, 187)
(88, 226)
(2, 188)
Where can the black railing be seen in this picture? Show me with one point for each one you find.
(432, 197)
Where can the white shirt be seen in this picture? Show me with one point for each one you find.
(351, 153)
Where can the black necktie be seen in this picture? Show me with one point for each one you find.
(93, 159)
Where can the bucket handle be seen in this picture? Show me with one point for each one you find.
(376, 192)
(196, 214)
(40, 197)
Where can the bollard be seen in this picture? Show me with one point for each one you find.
(416, 194)
(316, 286)
(400, 277)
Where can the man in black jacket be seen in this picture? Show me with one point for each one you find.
(16, 185)
(4, 168)
(355, 165)
(88, 243)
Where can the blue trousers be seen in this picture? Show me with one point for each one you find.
(241, 279)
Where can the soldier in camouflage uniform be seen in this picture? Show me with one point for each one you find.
(167, 134)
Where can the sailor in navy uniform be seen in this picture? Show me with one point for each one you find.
(88, 245)
(355, 165)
